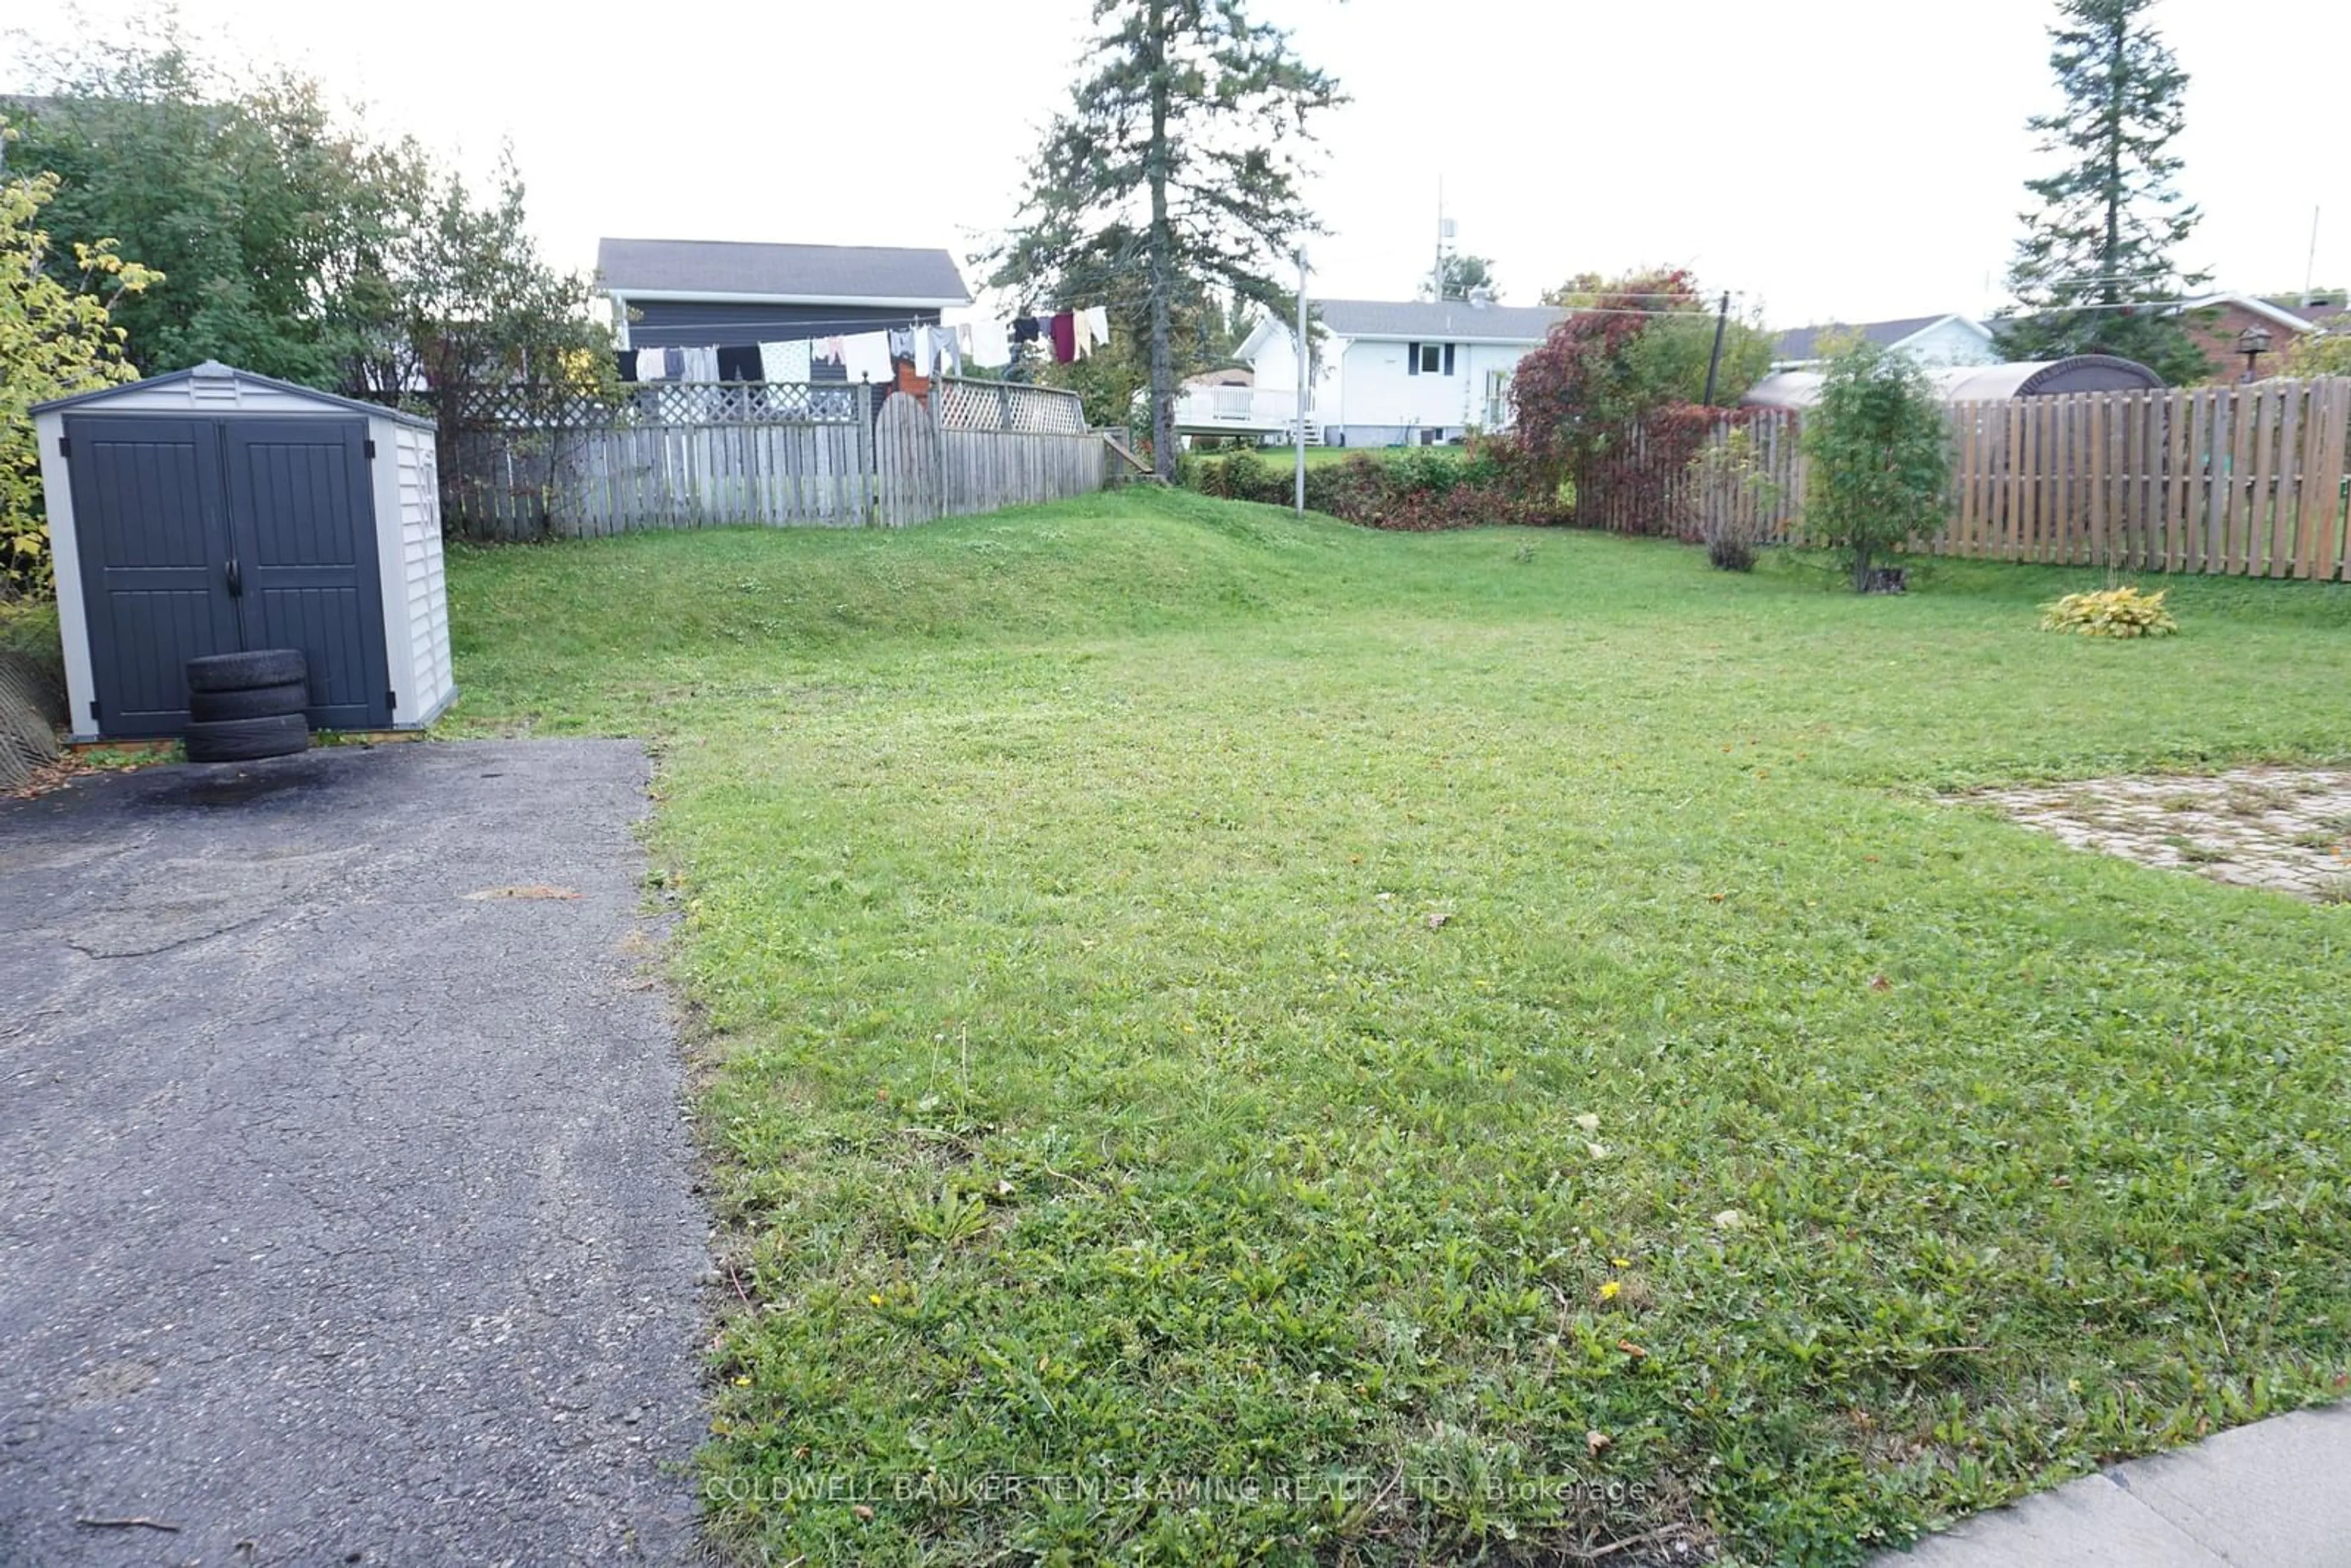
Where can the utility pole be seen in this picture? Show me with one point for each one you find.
(1714, 361)
(1297, 425)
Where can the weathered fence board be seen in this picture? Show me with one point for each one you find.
(622, 473)
(2236, 480)
(690, 456)
(986, 470)
(906, 448)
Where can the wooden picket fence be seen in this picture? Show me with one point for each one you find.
(2237, 480)
(979, 446)
(765, 455)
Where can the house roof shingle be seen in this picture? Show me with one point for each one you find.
(1804, 342)
(1437, 321)
(748, 271)
(2312, 308)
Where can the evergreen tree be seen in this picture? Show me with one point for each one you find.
(2109, 218)
(1464, 273)
(1176, 169)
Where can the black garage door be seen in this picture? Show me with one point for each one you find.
(211, 535)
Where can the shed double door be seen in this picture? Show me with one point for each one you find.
(221, 535)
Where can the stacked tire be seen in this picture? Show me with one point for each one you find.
(243, 707)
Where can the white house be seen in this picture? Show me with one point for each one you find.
(1386, 373)
(1934, 341)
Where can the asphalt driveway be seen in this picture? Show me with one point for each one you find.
(346, 1208)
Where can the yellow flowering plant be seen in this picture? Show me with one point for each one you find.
(2111, 612)
(53, 341)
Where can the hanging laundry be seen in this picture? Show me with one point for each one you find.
(866, 357)
(739, 363)
(625, 361)
(836, 350)
(1093, 328)
(946, 351)
(785, 362)
(1065, 337)
(919, 350)
(989, 345)
(673, 364)
(902, 343)
(652, 364)
(1026, 329)
(701, 364)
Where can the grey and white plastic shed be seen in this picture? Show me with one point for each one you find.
(1980, 383)
(211, 511)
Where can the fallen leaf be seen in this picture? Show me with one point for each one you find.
(1729, 1219)
(1635, 1351)
(1595, 1440)
(1438, 921)
(860, 1510)
(1880, 983)
(1588, 1122)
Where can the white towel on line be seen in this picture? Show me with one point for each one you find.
(867, 358)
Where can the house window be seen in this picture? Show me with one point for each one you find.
(1432, 358)
(1497, 398)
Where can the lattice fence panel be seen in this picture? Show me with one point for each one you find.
(681, 402)
(1006, 406)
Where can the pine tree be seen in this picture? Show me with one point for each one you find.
(1463, 276)
(2109, 218)
(1175, 168)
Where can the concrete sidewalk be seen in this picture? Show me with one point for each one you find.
(2276, 1494)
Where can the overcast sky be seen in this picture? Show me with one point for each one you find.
(1826, 159)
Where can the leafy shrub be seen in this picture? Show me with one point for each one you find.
(1350, 490)
(1249, 476)
(1415, 491)
(56, 338)
(1881, 452)
(1725, 553)
(1734, 497)
(1610, 400)
(2111, 612)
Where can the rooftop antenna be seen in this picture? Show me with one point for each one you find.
(2310, 267)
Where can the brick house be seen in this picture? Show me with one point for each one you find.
(2216, 321)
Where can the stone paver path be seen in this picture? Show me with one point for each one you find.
(2280, 828)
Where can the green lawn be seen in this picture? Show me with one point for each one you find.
(1232, 1040)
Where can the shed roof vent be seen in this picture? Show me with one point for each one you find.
(213, 385)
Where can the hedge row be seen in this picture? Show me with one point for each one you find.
(1415, 491)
